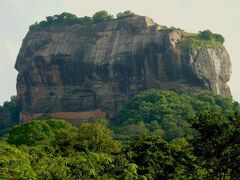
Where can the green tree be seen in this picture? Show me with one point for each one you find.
(90, 165)
(206, 34)
(65, 140)
(14, 164)
(31, 133)
(101, 16)
(134, 129)
(36, 132)
(37, 152)
(234, 148)
(46, 162)
(219, 37)
(52, 168)
(157, 159)
(217, 144)
(96, 138)
(127, 13)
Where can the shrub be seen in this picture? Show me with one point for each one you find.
(102, 16)
(206, 35)
(205, 39)
(125, 14)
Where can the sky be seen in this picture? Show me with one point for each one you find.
(220, 16)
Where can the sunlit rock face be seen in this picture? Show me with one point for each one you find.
(83, 68)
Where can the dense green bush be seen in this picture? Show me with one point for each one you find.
(125, 14)
(157, 159)
(205, 39)
(14, 164)
(218, 37)
(165, 112)
(206, 35)
(96, 138)
(36, 132)
(217, 145)
(60, 20)
(65, 18)
(101, 16)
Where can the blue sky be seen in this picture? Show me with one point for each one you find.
(220, 16)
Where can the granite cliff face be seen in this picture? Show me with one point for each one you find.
(97, 67)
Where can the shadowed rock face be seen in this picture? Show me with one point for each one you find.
(86, 67)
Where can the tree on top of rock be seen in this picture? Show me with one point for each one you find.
(102, 16)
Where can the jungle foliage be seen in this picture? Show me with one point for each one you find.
(166, 113)
(158, 135)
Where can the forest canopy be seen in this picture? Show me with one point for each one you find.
(156, 135)
(166, 113)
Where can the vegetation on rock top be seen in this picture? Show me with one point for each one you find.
(71, 19)
(204, 39)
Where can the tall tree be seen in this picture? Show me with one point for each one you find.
(217, 144)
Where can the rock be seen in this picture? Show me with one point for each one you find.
(82, 68)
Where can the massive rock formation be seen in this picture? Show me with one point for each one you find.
(97, 67)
